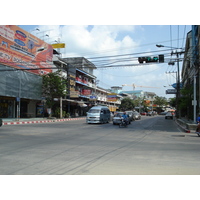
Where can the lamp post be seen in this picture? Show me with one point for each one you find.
(178, 76)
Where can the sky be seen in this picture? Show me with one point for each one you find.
(115, 31)
(115, 49)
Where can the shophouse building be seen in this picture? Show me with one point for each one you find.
(23, 59)
(190, 73)
(83, 92)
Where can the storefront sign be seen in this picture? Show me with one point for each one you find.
(58, 45)
(112, 97)
(171, 91)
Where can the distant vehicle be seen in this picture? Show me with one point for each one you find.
(130, 114)
(111, 116)
(136, 115)
(169, 115)
(163, 113)
(98, 114)
(143, 113)
(1, 122)
(150, 113)
(117, 118)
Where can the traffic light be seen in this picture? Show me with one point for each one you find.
(161, 58)
(147, 59)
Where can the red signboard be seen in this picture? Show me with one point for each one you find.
(22, 50)
(86, 92)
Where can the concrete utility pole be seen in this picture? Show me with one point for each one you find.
(195, 101)
(178, 82)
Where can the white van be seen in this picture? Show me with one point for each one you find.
(98, 114)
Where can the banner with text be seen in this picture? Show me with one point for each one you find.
(22, 50)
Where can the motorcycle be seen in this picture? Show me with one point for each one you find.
(198, 129)
(123, 123)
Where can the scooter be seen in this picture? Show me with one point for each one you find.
(198, 130)
(123, 123)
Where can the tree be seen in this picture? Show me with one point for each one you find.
(160, 101)
(127, 104)
(185, 102)
(54, 86)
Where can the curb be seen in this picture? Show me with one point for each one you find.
(182, 127)
(41, 121)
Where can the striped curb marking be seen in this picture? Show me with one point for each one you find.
(40, 121)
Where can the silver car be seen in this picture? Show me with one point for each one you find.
(136, 115)
(117, 118)
(130, 115)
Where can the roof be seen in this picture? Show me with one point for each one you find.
(80, 61)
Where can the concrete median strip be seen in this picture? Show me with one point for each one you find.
(40, 121)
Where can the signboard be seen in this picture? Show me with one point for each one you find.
(112, 97)
(171, 91)
(175, 85)
(58, 45)
(22, 50)
(74, 94)
(93, 98)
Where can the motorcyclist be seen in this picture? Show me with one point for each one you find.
(198, 124)
(125, 117)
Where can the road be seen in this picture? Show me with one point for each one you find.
(149, 146)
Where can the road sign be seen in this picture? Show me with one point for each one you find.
(175, 85)
(171, 91)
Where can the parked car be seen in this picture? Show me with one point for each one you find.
(169, 115)
(150, 113)
(136, 115)
(1, 122)
(143, 113)
(130, 114)
(117, 118)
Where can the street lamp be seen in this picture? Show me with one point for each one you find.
(178, 78)
(160, 45)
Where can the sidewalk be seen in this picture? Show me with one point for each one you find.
(186, 125)
(14, 121)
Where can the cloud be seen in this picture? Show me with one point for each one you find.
(85, 40)
(107, 40)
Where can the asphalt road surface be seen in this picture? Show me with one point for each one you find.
(150, 146)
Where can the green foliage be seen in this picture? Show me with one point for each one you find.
(160, 101)
(186, 98)
(127, 104)
(54, 86)
(172, 102)
(64, 113)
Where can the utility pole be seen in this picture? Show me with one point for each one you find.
(194, 100)
(178, 82)
(178, 78)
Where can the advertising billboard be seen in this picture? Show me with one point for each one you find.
(112, 97)
(22, 50)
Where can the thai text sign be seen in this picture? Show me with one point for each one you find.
(22, 50)
(112, 97)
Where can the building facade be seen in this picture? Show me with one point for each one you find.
(190, 74)
(23, 59)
